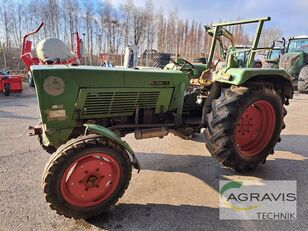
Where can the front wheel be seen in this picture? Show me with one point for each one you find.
(244, 126)
(86, 176)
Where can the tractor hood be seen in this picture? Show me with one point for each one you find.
(291, 62)
(68, 96)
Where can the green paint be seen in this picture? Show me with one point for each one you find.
(230, 185)
(70, 96)
(105, 132)
(296, 56)
(292, 62)
(148, 86)
(218, 31)
(239, 76)
(108, 134)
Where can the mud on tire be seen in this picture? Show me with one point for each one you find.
(223, 121)
(59, 165)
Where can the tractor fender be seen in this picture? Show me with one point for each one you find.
(239, 76)
(105, 132)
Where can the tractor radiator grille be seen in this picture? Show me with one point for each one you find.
(118, 102)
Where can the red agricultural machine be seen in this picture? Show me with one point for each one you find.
(49, 51)
(10, 83)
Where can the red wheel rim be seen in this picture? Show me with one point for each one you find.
(255, 128)
(90, 180)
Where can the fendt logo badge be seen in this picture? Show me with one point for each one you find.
(54, 86)
(264, 200)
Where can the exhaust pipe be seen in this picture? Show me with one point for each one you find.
(151, 133)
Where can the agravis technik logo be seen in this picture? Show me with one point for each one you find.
(262, 200)
(228, 201)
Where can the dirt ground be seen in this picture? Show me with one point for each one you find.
(175, 190)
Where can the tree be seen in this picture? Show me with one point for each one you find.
(161, 32)
(108, 28)
(126, 12)
(88, 20)
(269, 35)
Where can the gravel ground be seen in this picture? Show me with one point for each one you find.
(176, 189)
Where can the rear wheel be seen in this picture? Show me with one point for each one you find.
(86, 176)
(303, 80)
(244, 126)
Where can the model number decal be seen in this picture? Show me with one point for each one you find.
(158, 82)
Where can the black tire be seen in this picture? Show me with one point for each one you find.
(223, 119)
(70, 152)
(7, 89)
(303, 80)
(257, 65)
(50, 149)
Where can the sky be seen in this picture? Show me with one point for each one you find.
(291, 16)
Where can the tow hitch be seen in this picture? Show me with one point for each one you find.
(34, 130)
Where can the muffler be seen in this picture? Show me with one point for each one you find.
(151, 133)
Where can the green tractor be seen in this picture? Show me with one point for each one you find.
(274, 54)
(86, 110)
(242, 56)
(295, 62)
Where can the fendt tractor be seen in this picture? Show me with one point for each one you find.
(85, 111)
(274, 53)
(295, 62)
(242, 56)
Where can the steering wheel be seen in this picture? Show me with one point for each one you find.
(185, 66)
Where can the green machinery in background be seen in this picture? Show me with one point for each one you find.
(295, 62)
(275, 52)
(86, 110)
